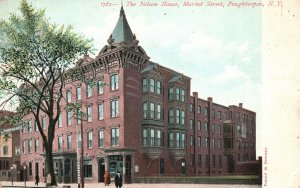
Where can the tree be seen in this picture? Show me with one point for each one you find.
(34, 58)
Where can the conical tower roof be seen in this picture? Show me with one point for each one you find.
(122, 31)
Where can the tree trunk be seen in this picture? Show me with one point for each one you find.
(50, 168)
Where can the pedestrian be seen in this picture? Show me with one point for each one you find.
(106, 178)
(37, 179)
(118, 180)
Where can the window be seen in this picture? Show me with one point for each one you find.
(171, 94)
(23, 146)
(182, 95)
(152, 110)
(192, 140)
(144, 137)
(238, 116)
(171, 140)
(100, 111)
(191, 124)
(199, 141)
(192, 159)
(213, 142)
(213, 128)
(158, 138)
(29, 146)
(68, 96)
(214, 160)
(206, 142)
(100, 87)
(145, 110)
(59, 121)
(89, 114)
(205, 111)
(177, 116)
(158, 116)
(152, 137)
(78, 93)
(199, 125)
(114, 82)
(220, 160)
(206, 160)
(30, 168)
(114, 136)
(191, 107)
(177, 140)
(78, 114)
(219, 143)
(44, 123)
(171, 116)
(206, 126)
(145, 87)
(182, 140)
(199, 160)
(158, 87)
(5, 150)
(36, 145)
(87, 168)
(114, 108)
(182, 117)
(219, 115)
(79, 140)
(89, 139)
(152, 85)
(89, 90)
(199, 109)
(239, 144)
(101, 139)
(219, 129)
(29, 126)
(213, 113)
(60, 142)
(36, 125)
(177, 94)
(69, 141)
(69, 118)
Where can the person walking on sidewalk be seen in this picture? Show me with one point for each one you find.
(37, 179)
(118, 180)
(106, 178)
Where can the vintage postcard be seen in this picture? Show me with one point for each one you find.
(236, 60)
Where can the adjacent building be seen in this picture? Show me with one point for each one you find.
(142, 121)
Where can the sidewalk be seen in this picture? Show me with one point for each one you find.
(30, 184)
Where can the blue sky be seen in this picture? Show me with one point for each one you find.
(219, 48)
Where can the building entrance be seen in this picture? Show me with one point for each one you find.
(115, 164)
(101, 170)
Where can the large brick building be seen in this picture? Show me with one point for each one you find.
(143, 121)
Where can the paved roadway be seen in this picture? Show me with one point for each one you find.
(7, 184)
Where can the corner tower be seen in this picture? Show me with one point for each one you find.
(123, 46)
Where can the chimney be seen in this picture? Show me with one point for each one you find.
(241, 105)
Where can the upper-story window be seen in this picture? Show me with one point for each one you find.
(152, 111)
(114, 82)
(69, 118)
(199, 109)
(78, 93)
(213, 113)
(171, 94)
(89, 139)
(68, 96)
(158, 87)
(182, 95)
(114, 108)
(100, 111)
(145, 86)
(152, 137)
(36, 125)
(158, 115)
(29, 126)
(101, 138)
(145, 110)
(152, 85)
(177, 94)
(219, 115)
(182, 116)
(78, 116)
(23, 146)
(191, 107)
(205, 111)
(5, 150)
(69, 141)
(60, 142)
(115, 136)
(171, 140)
(145, 137)
(100, 87)
(89, 90)
(59, 121)
(171, 116)
(177, 114)
(89, 113)
(36, 145)
(44, 123)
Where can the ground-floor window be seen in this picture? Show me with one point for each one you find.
(87, 168)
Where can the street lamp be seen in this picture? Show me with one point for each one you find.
(25, 174)
(12, 176)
